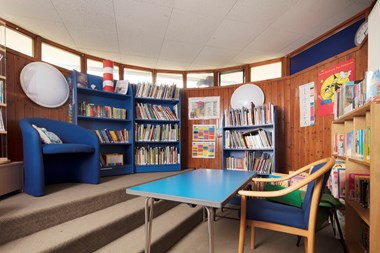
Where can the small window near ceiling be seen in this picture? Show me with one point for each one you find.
(265, 72)
(231, 77)
(96, 68)
(165, 78)
(60, 57)
(200, 80)
(137, 76)
(19, 42)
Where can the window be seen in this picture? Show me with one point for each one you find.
(96, 68)
(265, 72)
(137, 76)
(231, 77)
(19, 42)
(165, 78)
(60, 57)
(199, 80)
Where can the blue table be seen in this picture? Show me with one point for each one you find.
(206, 187)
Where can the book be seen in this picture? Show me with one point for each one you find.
(82, 81)
(372, 83)
(122, 86)
(348, 96)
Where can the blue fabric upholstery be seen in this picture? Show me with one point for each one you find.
(263, 210)
(76, 160)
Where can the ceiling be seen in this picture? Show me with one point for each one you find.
(181, 34)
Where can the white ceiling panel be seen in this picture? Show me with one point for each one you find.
(190, 27)
(181, 34)
(209, 8)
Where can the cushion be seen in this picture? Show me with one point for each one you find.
(46, 136)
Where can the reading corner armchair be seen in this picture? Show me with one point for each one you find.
(301, 221)
(76, 159)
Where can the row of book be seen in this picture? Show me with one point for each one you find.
(2, 92)
(262, 164)
(337, 180)
(157, 155)
(248, 116)
(163, 91)
(353, 144)
(114, 159)
(254, 139)
(112, 136)
(102, 111)
(149, 132)
(358, 188)
(158, 112)
(354, 94)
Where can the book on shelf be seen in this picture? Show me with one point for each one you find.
(350, 143)
(372, 83)
(121, 86)
(114, 159)
(82, 81)
(354, 189)
(1, 92)
(349, 97)
(163, 91)
(249, 116)
(2, 126)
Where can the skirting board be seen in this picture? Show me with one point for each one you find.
(10, 177)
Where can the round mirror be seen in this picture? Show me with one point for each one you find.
(245, 94)
(44, 84)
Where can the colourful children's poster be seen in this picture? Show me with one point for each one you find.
(330, 80)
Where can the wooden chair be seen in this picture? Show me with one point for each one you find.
(301, 221)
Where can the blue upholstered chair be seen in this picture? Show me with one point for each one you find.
(75, 160)
(256, 211)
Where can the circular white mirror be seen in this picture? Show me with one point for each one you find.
(44, 84)
(245, 94)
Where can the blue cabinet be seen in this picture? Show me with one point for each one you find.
(249, 139)
(157, 128)
(110, 116)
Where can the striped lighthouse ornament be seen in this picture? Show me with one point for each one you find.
(108, 75)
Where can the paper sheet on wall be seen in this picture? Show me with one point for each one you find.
(307, 106)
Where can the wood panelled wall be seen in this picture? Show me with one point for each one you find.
(296, 146)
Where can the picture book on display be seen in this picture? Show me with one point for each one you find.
(122, 86)
(82, 81)
(372, 81)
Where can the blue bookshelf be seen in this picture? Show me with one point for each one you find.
(105, 112)
(157, 134)
(237, 153)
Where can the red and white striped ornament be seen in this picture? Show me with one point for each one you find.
(108, 76)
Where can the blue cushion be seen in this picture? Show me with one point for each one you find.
(263, 210)
(66, 148)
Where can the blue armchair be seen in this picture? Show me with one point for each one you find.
(301, 221)
(75, 160)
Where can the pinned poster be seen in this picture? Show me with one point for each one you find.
(330, 80)
(203, 150)
(307, 107)
(204, 132)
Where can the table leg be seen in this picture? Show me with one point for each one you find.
(148, 223)
(210, 220)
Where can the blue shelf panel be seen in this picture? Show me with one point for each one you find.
(156, 101)
(153, 121)
(102, 118)
(249, 127)
(117, 170)
(103, 94)
(157, 168)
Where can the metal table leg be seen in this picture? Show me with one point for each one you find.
(210, 217)
(148, 223)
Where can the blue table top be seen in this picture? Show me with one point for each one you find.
(206, 187)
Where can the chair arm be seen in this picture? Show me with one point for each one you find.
(268, 194)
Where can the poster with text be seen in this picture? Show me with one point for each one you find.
(330, 80)
(203, 150)
(204, 108)
(204, 132)
(307, 108)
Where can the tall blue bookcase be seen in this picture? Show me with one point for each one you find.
(106, 112)
(246, 143)
(157, 129)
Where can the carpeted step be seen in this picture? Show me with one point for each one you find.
(167, 229)
(90, 232)
(22, 214)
